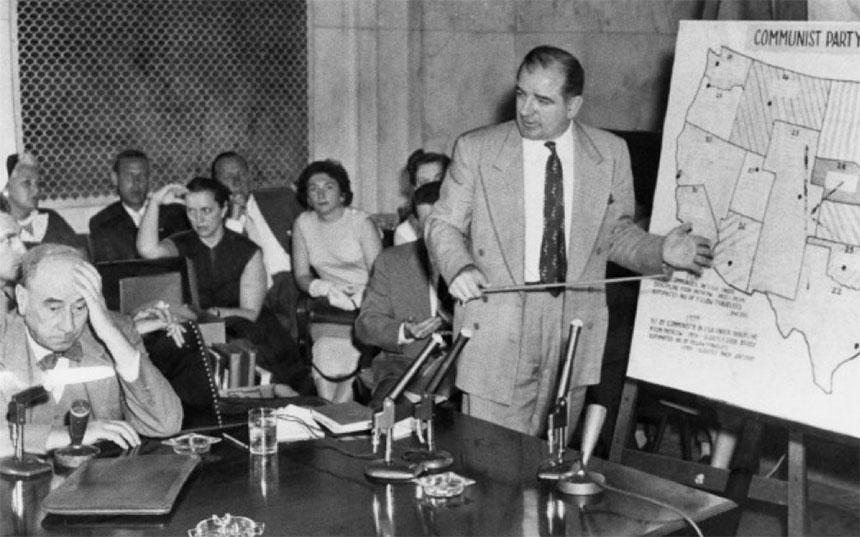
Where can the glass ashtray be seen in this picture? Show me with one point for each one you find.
(233, 526)
(191, 443)
(444, 485)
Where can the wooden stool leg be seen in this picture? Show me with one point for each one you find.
(798, 521)
(744, 465)
(626, 423)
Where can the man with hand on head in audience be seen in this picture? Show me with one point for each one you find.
(268, 222)
(62, 331)
(405, 302)
(113, 230)
(20, 198)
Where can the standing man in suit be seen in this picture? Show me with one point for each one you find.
(404, 304)
(268, 221)
(542, 199)
(113, 230)
(63, 329)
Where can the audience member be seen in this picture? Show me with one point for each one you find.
(338, 243)
(229, 267)
(62, 324)
(21, 199)
(422, 168)
(113, 230)
(406, 301)
(268, 221)
(11, 251)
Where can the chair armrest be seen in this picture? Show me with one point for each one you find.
(320, 311)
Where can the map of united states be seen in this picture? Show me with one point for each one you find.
(768, 166)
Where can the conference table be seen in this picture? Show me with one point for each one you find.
(318, 487)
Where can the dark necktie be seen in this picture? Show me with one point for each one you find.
(74, 354)
(553, 261)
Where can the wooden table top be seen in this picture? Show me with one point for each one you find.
(311, 488)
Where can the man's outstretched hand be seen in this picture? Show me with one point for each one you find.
(683, 250)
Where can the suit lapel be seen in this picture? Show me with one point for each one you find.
(592, 186)
(418, 278)
(503, 190)
(15, 355)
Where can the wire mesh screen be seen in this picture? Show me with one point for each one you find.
(180, 80)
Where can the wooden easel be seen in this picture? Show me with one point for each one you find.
(738, 484)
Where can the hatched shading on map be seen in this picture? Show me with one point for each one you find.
(766, 165)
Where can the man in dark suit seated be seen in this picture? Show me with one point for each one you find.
(403, 305)
(113, 230)
(266, 219)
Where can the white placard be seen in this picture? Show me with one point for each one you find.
(763, 117)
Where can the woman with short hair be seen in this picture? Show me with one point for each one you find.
(334, 247)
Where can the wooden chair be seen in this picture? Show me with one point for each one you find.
(317, 310)
(173, 272)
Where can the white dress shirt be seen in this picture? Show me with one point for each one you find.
(275, 258)
(136, 216)
(535, 155)
(34, 227)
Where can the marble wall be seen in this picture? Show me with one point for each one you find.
(389, 76)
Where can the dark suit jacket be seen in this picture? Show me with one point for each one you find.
(398, 289)
(113, 234)
(58, 231)
(149, 404)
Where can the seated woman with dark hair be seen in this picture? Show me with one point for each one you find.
(229, 267)
(339, 243)
(422, 168)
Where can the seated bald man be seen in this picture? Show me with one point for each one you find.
(65, 339)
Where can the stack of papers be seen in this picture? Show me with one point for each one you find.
(297, 423)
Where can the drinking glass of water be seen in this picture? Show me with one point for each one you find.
(263, 430)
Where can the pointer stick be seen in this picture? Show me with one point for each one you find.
(567, 285)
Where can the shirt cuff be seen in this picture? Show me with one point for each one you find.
(130, 370)
(235, 225)
(401, 336)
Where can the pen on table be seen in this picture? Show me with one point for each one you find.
(236, 442)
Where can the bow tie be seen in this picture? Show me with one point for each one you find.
(74, 354)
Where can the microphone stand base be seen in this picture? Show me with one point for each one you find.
(29, 466)
(392, 472)
(75, 456)
(431, 461)
(553, 470)
(582, 483)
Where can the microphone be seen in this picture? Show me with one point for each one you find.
(584, 482)
(383, 422)
(21, 464)
(76, 454)
(430, 458)
(554, 467)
